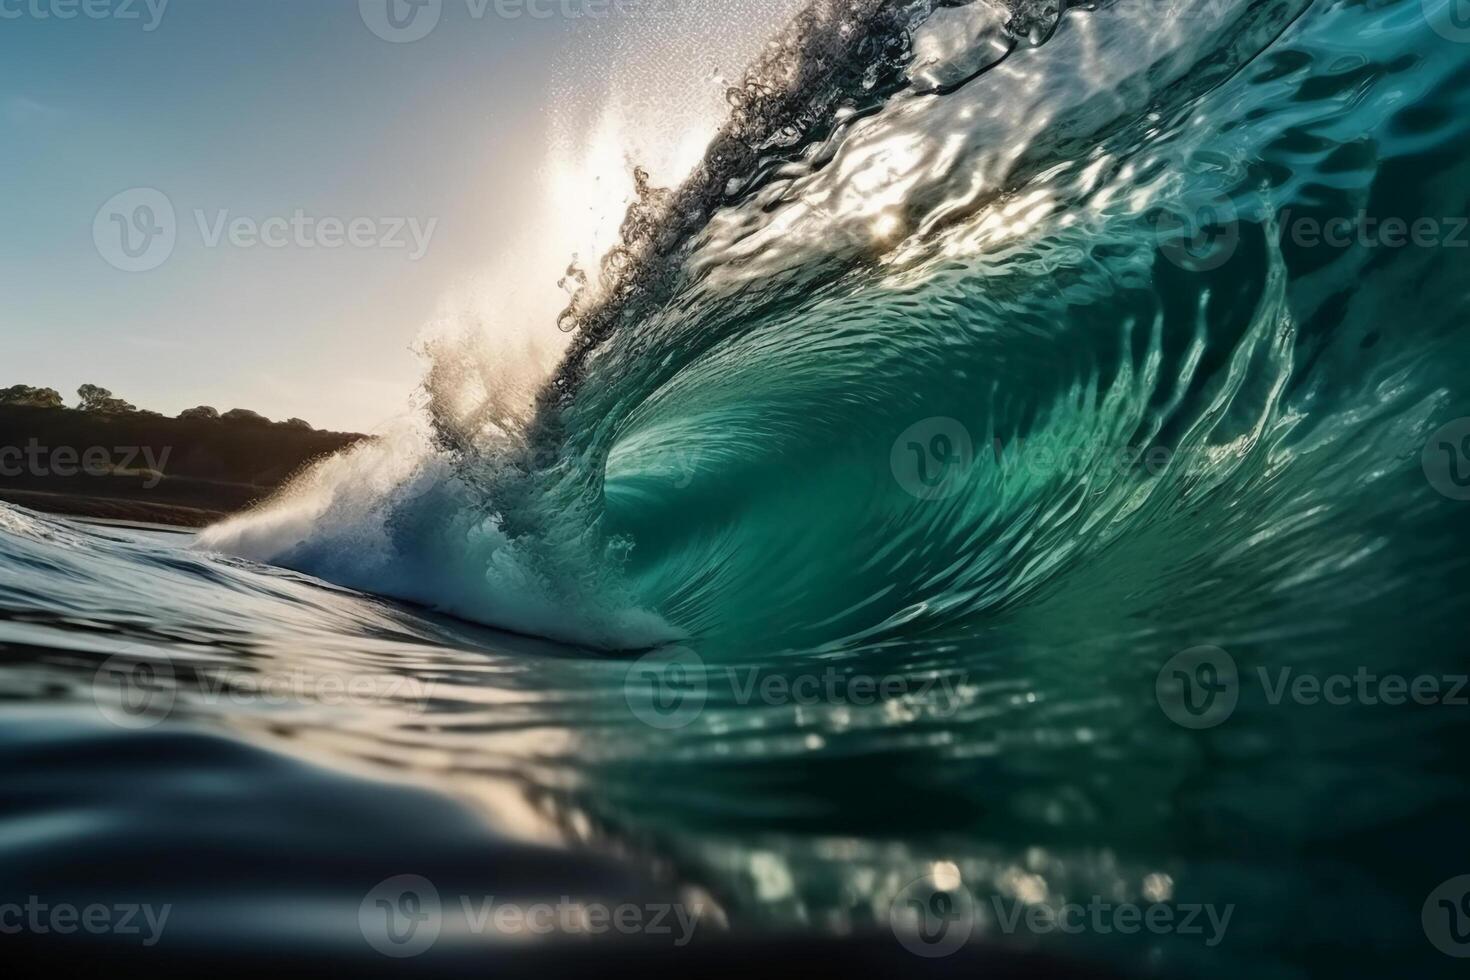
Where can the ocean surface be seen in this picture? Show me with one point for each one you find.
(1024, 469)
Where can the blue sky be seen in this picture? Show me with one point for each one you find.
(248, 114)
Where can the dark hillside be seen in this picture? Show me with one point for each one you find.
(143, 467)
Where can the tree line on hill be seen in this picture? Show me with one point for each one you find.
(100, 401)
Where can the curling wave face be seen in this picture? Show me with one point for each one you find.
(1029, 255)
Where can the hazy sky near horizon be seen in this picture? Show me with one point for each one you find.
(307, 161)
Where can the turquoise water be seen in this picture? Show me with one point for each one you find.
(1006, 388)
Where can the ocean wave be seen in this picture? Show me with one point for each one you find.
(896, 356)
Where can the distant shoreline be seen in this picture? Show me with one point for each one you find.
(147, 469)
(112, 510)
